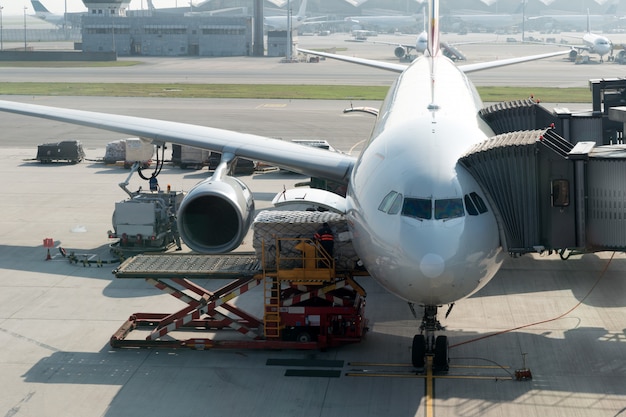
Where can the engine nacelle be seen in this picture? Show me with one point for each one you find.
(399, 52)
(572, 55)
(215, 215)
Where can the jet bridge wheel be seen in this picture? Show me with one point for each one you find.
(418, 351)
(441, 360)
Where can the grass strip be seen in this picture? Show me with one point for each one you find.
(274, 91)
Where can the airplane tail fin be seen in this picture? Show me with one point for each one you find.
(588, 24)
(38, 7)
(302, 10)
(433, 28)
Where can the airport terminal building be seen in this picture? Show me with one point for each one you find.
(107, 28)
(168, 36)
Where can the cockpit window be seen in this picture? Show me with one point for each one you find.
(387, 201)
(480, 204)
(449, 208)
(469, 206)
(420, 208)
(396, 205)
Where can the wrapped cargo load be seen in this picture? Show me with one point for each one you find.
(270, 224)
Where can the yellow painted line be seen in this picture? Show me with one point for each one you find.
(354, 146)
(430, 388)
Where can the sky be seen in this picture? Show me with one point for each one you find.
(16, 7)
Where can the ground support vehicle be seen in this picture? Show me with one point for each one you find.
(307, 306)
(145, 222)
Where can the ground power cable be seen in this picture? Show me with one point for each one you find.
(598, 279)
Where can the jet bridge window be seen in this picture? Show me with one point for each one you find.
(391, 203)
(420, 208)
(449, 208)
(560, 193)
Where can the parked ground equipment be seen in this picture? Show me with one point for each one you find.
(146, 221)
(67, 151)
(308, 303)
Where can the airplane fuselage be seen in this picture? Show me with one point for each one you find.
(408, 196)
(597, 44)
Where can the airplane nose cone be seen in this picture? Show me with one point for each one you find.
(432, 265)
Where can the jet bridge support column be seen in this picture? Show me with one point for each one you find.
(580, 155)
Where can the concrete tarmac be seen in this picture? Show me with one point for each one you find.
(563, 320)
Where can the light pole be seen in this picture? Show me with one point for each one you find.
(289, 29)
(25, 28)
(1, 42)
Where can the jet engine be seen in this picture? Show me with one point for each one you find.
(399, 52)
(572, 55)
(215, 215)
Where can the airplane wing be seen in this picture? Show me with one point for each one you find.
(408, 47)
(465, 68)
(292, 156)
(361, 61)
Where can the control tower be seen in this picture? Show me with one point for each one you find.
(106, 8)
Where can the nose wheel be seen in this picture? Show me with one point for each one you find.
(426, 344)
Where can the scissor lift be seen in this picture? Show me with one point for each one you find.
(307, 303)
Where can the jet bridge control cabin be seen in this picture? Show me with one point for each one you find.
(556, 180)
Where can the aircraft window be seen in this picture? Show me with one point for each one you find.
(469, 206)
(449, 208)
(560, 193)
(387, 201)
(420, 208)
(397, 204)
(480, 204)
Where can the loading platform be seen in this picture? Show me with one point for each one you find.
(307, 303)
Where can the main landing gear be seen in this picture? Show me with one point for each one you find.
(426, 344)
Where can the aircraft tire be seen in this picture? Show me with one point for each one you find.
(441, 362)
(418, 351)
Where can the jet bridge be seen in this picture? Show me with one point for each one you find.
(549, 194)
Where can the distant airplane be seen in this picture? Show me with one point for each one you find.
(403, 51)
(420, 222)
(384, 22)
(281, 22)
(44, 14)
(483, 20)
(568, 20)
(593, 44)
(596, 44)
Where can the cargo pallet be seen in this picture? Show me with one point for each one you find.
(307, 303)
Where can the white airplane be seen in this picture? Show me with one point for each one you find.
(384, 22)
(597, 44)
(41, 12)
(593, 44)
(281, 22)
(403, 50)
(419, 221)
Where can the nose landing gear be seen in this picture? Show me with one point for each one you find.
(426, 344)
